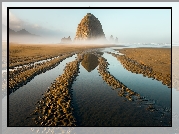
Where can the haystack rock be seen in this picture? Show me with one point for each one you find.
(89, 28)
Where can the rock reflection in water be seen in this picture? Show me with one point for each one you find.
(90, 62)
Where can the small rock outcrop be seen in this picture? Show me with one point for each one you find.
(116, 40)
(89, 28)
(111, 39)
(66, 40)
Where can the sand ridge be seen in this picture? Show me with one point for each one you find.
(157, 59)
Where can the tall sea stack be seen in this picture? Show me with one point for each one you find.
(89, 28)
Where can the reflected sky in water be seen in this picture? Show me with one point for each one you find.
(23, 100)
(152, 89)
(91, 94)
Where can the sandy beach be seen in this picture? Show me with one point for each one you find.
(175, 65)
(25, 53)
(68, 80)
(158, 59)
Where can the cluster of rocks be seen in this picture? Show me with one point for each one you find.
(89, 28)
(20, 77)
(112, 40)
(66, 40)
(55, 108)
(135, 67)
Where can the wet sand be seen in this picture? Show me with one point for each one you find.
(109, 107)
(175, 65)
(158, 59)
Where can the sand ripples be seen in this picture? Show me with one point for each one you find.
(138, 68)
(129, 94)
(56, 107)
(19, 77)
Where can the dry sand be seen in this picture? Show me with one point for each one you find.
(175, 67)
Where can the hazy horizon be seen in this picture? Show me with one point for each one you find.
(128, 25)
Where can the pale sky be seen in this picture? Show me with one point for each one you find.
(129, 25)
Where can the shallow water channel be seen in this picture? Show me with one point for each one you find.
(95, 103)
(22, 101)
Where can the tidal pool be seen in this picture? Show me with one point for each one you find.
(95, 103)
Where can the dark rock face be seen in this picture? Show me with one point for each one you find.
(66, 40)
(89, 28)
